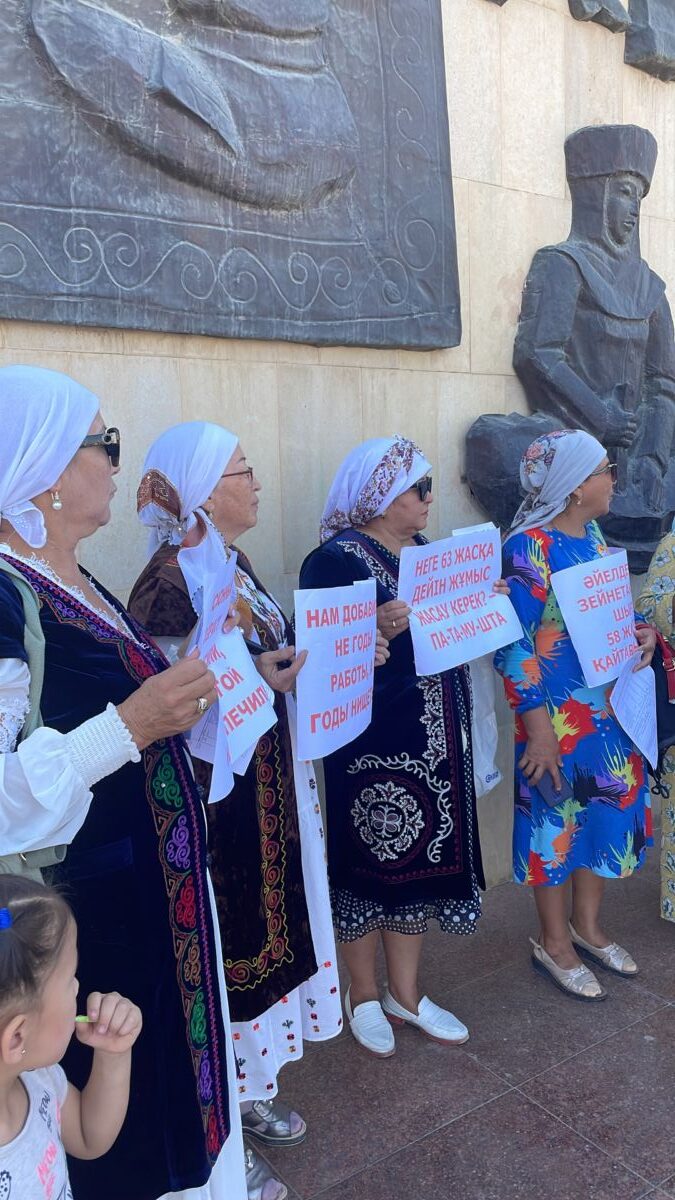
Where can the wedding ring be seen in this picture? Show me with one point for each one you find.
(202, 705)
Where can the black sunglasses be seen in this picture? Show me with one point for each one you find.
(612, 468)
(110, 442)
(423, 487)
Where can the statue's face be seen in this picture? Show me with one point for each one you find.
(622, 206)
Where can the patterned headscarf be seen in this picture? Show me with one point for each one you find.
(369, 480)
(44, 417)
(551, 468)
(180, 471)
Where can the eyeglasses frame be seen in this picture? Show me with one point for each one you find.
(611, 467)
(233, 474)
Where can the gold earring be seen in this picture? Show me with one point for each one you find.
(57, 502)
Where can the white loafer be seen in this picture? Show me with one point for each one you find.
(436, 1023)
(370, 1027)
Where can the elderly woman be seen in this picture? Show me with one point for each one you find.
(107, 776)
(266, 841)
(566, 851)
(403, 841)
(657, 604)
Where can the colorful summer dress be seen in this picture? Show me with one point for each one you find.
(605, 826)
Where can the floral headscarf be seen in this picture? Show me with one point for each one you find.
(369, 480)
(551, 468)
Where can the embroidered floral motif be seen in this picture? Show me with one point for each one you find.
(432, 719)
(172, 796)
(388, 818)
(247, 973)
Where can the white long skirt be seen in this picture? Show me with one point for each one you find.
(312, 1012)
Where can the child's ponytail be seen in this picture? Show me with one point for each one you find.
(33, 923)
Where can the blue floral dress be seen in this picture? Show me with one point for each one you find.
(605, 826)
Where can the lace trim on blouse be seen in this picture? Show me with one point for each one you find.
(13, 714)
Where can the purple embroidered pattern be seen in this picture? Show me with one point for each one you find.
(179, 822)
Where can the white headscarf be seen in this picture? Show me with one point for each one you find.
(369, 480)
(551, 468)
(180, 471)
(44, 417)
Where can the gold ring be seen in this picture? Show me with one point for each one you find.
(202, 705)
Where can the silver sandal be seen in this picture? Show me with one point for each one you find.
(612, 957)
(269, 1121)
(577, 982)
(257, 1175)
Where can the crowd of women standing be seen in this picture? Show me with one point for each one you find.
(218, 920)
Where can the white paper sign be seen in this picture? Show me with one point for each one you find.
(633, 700)
(597, 608)
(337, 626)
(456, 616)
(227, 734)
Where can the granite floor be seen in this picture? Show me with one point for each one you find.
(549, 1098)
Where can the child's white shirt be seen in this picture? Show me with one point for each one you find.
(33, 1165)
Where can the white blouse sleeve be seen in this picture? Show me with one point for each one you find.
(45, 784)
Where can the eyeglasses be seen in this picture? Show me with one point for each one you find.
(611, 468)
(423, 487)
(233, 474)
(109, 440)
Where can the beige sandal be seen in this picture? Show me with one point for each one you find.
(613, 957)
(577, 982)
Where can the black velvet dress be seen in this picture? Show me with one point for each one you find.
(403, 841)
(254, 833)
(135, 876)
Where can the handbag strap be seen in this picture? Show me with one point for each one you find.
(668, 664)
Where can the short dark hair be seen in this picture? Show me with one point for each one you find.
(31, 940)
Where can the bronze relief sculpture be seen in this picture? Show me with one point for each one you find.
(233, 167)
(594, 347)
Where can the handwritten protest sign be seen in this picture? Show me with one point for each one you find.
(456, 616)
(337, 626)
(597, 607)
(228, 733)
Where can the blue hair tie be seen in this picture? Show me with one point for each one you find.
(6, 918)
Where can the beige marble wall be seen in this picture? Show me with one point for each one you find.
(520, 77)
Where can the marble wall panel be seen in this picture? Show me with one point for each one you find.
(533, 98)
(507, 228)
(473, 73)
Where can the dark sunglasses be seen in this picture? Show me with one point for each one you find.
(423, 487)
(109, 440)
(611, 468)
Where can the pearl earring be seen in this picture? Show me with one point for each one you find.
(23, 1051)
(57, 502)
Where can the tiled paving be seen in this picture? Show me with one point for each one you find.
(549, 1099)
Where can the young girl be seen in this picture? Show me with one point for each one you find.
(42, 1116)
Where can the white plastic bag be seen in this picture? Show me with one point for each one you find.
(484, 733)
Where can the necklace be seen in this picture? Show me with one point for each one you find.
(106, 610)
